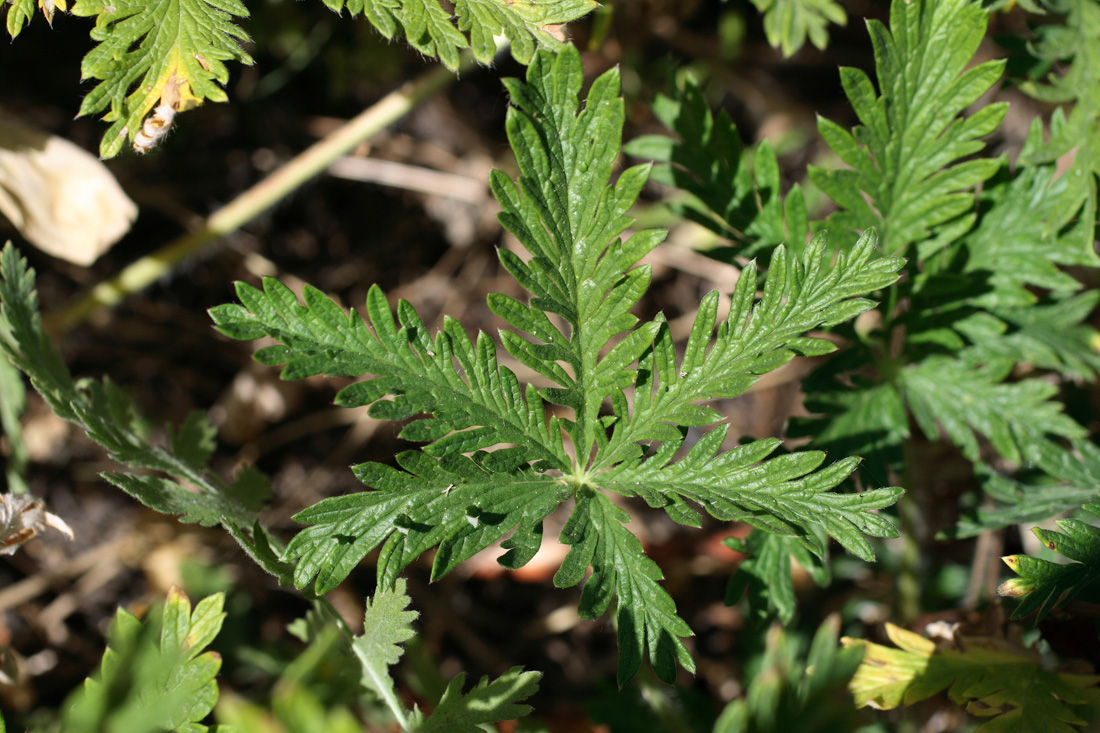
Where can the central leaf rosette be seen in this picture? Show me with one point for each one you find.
(627, 407)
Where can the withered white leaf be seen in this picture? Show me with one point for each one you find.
(61, 198)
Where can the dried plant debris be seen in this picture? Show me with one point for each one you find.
(22, 517)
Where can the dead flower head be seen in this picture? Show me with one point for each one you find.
(21, 518)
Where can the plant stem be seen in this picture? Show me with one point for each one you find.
(910, 520)
(257, 199)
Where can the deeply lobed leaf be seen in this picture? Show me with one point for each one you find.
(150, 53)
(488, 702)
(429, 28)
(1042, 585)
(732, 197)
(995, 681)
(455, 503)
(646, 616)
(964, 398)
(780, 495)
(416, 369)
(903, 176)
(1061, 481)
(153, 677)
(192, 491)
(756, 337)
(494, 463)
(788, 23)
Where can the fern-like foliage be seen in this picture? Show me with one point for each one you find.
(788, 23)
(155, 676)
(1020, 240)
(765, 575)
(964, 398)
(182, 483)
(993, 679)
(387, 625)
(1060, 481)
(627, 395)
(488, 702)
(1043, 585)
(166, 52)
(986, 292)
(794, 690)
(172, 54)
(527, 24)
(903, 176)
(1073, 49)
(733, 197)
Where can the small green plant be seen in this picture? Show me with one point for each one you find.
(940, 307)
(630, 401)
(629, 397)
(155, 676)
(788, 23)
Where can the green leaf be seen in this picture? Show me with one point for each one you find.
(766, 572)
(167, 496)
(493, 463)
(567, 215)
(166, 52)
(965, 398)
(903, 176)
(417, 369)
(779, 495)
(732, 195)
(428, 28)
(454, 503)
(788, 23)
(756, 337)
(1053, 335)
(1021, 500)
(1071, 50)
(13, 402)
(107, 416)
(489, 702)
(153, 677)
(387, 624)
(528, 24)
(993, 679)
(1018, 242)
(19, 14)
(1042, 585)
(794, 689)
(854, 417)
(646, 615)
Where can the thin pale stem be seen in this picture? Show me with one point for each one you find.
(259, 198)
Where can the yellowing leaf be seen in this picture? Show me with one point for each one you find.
(168, 52)
(19, 14)
(991, 677)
